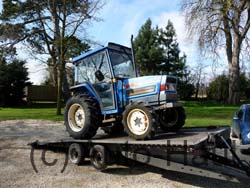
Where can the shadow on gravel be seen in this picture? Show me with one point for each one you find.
(125, 171)
(137, 169)
(202, 181)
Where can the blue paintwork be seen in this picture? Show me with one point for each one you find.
(241, 124)
(87, 54)
(122, 86)
(86, 87)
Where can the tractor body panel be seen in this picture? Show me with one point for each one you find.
(120, 86)
(151, 90)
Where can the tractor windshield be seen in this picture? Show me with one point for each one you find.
(122, 63)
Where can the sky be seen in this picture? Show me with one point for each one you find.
(121, 19)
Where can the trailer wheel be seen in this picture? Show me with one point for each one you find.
(76, 154)
(172, 119)
(138, 121)
(98, 157)
(82, 116)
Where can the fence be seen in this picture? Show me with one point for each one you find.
(41, 93)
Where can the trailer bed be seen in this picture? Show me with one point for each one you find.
(190, 137)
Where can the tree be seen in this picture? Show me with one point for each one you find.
(185, 86)
(218, 89)
(245, 85)
(76, 48)
(157, 52)
(148, 53)
(198, 77)
(172, 63)
(221, 23)
(47, 26)
(13, 79)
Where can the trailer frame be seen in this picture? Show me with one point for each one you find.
(169, 151)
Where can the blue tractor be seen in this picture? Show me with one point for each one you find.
(108, 93)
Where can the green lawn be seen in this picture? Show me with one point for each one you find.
(198, 113)
(35, 111)
(206, 114)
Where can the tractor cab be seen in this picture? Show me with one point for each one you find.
(103, 72)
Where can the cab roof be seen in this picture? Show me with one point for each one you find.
(110, 45)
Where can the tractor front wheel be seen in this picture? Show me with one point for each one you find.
(138, 121)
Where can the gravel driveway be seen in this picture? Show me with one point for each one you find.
(16, 169)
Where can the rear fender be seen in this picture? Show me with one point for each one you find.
(83, 88)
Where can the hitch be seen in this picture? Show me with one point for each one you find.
(244, 165)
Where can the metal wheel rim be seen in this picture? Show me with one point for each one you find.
(74, 156)
(138, 121)
(98, 159)
(76, 117)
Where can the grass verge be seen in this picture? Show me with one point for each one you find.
(44, 111)
(198, 113)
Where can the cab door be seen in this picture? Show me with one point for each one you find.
(104, 88)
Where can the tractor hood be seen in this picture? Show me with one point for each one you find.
(148, 85)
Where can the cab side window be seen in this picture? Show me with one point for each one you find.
(88, 66)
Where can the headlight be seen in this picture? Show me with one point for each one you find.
(248, 135)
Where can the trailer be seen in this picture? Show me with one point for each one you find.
(205, 151)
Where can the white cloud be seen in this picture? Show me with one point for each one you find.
(178, 21)
(37, 72)
(35, 63)
(185, 44)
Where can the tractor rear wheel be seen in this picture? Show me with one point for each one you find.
(138, 121)
(172, 119)
(82, 116)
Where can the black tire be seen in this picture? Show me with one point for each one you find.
(88, 112)
(76, 154)
(172, 119)
(148, 124)
(98, 157)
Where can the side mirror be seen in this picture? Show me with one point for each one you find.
(99, 75)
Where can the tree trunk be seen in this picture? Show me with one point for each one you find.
(59, 91)
(234, 74)
(197, 90)
(65, 87)
(234, 84)
(55, 72)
